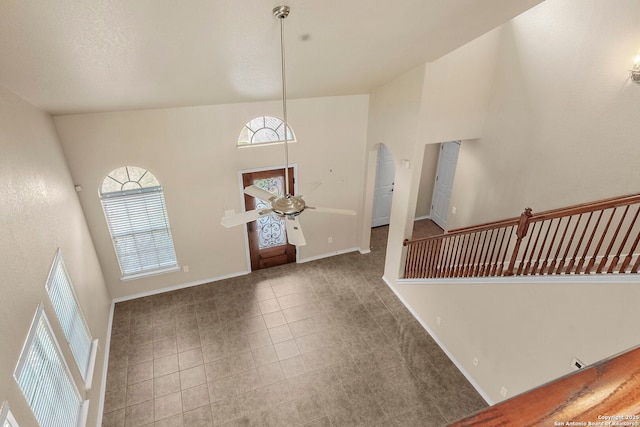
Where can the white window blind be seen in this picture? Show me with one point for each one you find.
(140, 230)
(67, 308)
(6, 418)
(45, 380)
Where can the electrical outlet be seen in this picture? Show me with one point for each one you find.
(185, 268)
(503, 391)
(475, 361)
(577, 364)
(439, 320)
(454, 210)
(330, 240)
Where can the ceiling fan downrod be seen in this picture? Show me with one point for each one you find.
(281, 12)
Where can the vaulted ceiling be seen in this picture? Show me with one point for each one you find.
(77, 56)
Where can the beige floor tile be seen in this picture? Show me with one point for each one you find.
(115, 399)
(139, 392)
(264, 355)
(195, 397)
(174, 421)
(259, 339)
(192, 377)
(165, 347)
(168, 406)
(322, 343)
(293, 366)
(274, 319)
(165, 365)
(190, 358)
(139, 353)
(140, 414)
(269, 306)
(199, 417)
(114, 419)
(280, 333)
(190, 340)
(286, 349)
(140, 372)
(167, 384)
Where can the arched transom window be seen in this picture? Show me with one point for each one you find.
(264, 130)
(133, 203)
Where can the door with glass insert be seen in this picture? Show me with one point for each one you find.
(268, 245)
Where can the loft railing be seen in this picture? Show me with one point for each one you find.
(592, 238)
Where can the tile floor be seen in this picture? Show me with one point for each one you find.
(324, 343)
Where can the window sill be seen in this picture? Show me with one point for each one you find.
(92, 363)
(263, 144)
(150, 273)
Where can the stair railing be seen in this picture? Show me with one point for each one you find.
(592, 238)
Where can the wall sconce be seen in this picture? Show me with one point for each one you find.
(634, 72)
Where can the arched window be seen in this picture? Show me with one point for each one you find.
(264, 130)
(133, 203)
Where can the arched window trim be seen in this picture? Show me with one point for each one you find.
(247, 135)
(136, 214)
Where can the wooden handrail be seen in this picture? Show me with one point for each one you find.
(605, 393)
(588, 207)
(465, 230)
(586, 238)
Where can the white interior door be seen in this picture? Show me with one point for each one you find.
(383, 193)
(447, 162)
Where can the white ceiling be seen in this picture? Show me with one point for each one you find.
(73, 56)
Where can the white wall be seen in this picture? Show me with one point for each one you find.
(427, 105)
(39, 213)
(427, 180)
(192, 151)
(562, 120)
(526, 334)
(561, 128)
(393, 120)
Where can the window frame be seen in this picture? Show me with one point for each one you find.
(144, 196)
(40, 320)
(291, 137)
(6, 417)
(71, 307)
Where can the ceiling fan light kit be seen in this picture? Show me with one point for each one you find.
(287, 206)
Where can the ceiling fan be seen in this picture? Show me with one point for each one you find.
(288, 206)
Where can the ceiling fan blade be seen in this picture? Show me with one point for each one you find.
(331, 210)
(294, 231)
(259, 193)
(243, 217)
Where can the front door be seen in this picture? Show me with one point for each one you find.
(268, 245)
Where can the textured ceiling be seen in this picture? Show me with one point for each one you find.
(74, 56)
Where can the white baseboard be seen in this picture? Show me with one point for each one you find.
(103, 382)
(227, 276)
(440, 344)
(364, 251)
(182, 286)
(327, 255)
(420, 218)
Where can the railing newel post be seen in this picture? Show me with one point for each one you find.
(521, 232)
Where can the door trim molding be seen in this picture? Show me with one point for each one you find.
(244, 208)
(435, 183)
